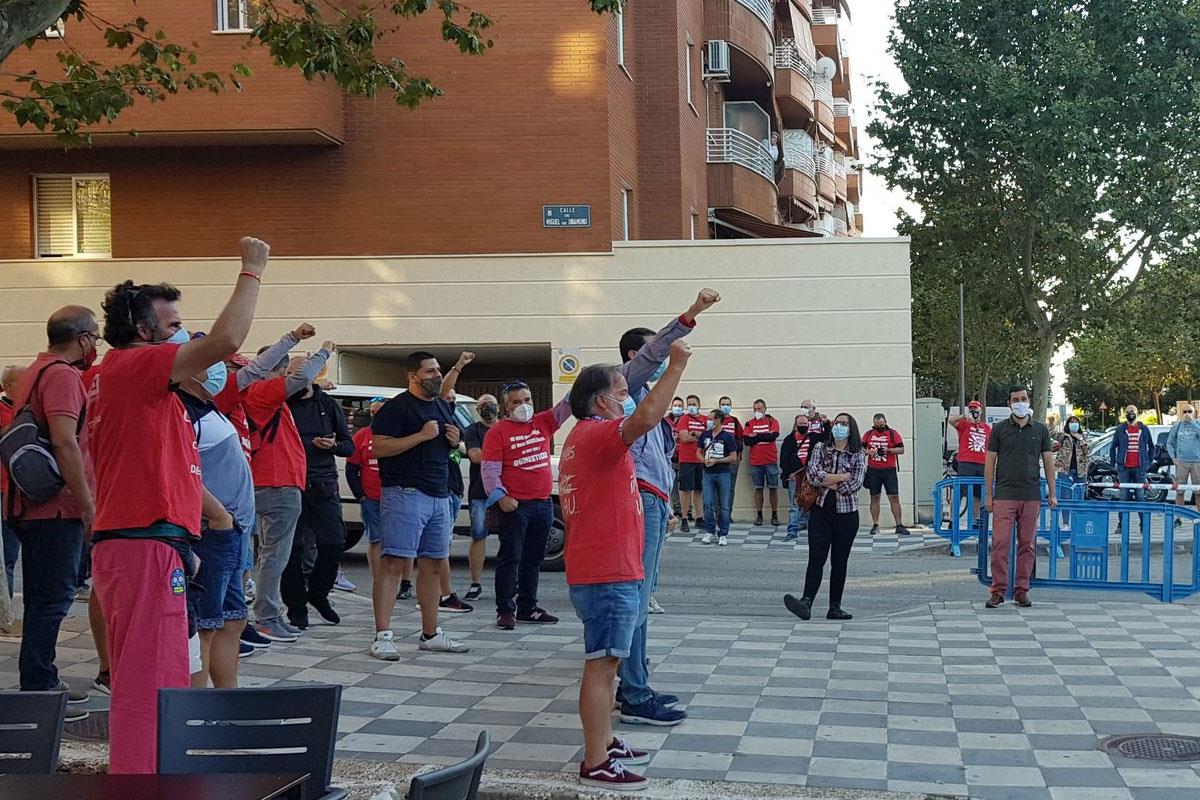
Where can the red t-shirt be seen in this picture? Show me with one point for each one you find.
(602, 509)
(146, 458)
(229, 402)
(689, 452)
(523, 450)
(874, 439)
(278, 460)
(6, 415)
(765, 452)
(365, 458)
(803, 443)
(972, 441)
(733, 426)
(60, 393)
(1133, 456)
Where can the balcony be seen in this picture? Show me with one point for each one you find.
(823, 105)
(854, 185)
(799, 190)
(741, 173)
(825, 31)
(840, 228)
(794, 85)
(805, 7)
(748, 27)
(826, 188)
(858, 222)
(839, 176)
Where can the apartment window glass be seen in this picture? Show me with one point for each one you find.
(687, 71)
(625, 214)
(695, 223)
(73, 215)
(237, 15)
(621, 37)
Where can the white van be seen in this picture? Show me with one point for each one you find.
(355, 399)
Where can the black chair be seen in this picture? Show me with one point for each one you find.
(31, 726)
(279, 730)
(457, 782)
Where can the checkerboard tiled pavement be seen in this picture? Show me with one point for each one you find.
(746, 536)
(951, 699)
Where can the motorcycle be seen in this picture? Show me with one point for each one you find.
(1158, 476)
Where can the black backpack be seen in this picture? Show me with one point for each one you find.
(27, 454)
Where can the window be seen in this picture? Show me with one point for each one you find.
(625, 213)
(237, 15)
(73, 215)
(695, 223)
(688, 60)
(621, 37)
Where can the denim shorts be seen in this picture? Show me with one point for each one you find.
(764, 475)
(609, 612)
(415, 525)
(371, 520)
(478, 509)
(220, 578)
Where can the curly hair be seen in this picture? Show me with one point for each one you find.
(127, 305)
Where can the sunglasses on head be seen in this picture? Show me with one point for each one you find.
(517, 384)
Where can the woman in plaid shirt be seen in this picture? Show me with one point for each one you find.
(837, 464)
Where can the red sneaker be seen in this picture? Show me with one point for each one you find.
(613, 776)
(506, 621)
(620, 750)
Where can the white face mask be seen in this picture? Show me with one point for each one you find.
(1020, 410)
(760, 414)
(523, 412)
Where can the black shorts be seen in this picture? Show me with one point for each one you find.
(969, 469)
(882, 479)
(691, 477)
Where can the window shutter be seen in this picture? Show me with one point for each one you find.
(55, 216)
(93, 215)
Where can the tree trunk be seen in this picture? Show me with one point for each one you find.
(1047, 346)
(21, 20)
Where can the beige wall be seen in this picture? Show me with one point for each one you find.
(827, 319)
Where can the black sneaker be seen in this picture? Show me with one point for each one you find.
(874, 530)
(537, 617)
(902, 531)
(452, 605)
(299, 619)
(835, 612)
(775, 520)
(325, 609)
(652, 713)
(683, 526)
(474, 593)
(252, 637)
(405, 592)
(800, 606)
(758, 521)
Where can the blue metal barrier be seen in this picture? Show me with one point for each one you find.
(1089, 539)
(953, 498)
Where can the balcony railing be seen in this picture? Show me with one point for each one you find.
(825, 16)
(763, 10)
(788, 56)
(841, 107)
(839, 169)
(798, 152)
(823, 91)
(731, 146)
(839, 227)
(825, 161)
(822, 225)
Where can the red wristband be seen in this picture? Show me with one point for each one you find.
(250, 275)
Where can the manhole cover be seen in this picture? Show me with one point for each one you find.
(1154, 747)
(92, 729)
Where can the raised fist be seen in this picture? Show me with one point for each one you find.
(254, 254)
(328, 345)
(707, 298)
(304, 331)
(681, 351)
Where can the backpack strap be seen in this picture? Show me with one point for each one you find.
(268, 431)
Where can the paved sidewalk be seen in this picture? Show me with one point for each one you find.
(746, 536)
(951, 699)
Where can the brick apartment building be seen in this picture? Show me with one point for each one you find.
(658, 121)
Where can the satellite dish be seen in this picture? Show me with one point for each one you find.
(826, 68)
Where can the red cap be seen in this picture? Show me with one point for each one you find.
(974, 404)
(238, 360)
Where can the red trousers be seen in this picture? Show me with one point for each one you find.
(140, 584)
(1006, 513)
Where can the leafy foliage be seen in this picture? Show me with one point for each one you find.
(320, 38)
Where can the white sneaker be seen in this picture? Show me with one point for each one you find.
(655, 608)
(722, 541)
(706, 539)
(384, 647)
(441, 643)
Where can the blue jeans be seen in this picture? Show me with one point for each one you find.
(717, 487)
(523, 535)
(634, 671)
(797, 517)
(1132, 475)
(477, 506)
(12, 551)
(609, 613)
(50, 565)
(371, 520)
(415, 524)
(220, 575)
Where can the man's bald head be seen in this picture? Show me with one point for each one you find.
(69, 323)
(10, 378)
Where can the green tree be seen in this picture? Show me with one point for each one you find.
(330, 39)
(1057, 136)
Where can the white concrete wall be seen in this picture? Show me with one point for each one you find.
(821, 318)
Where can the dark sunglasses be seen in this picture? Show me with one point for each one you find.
(517, 384)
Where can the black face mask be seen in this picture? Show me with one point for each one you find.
(881, 426)
(1131, 417)
(801, 429)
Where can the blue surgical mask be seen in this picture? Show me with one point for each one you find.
(1073, 427)
(628, 405)
(658, 373)
(180, 336)
(726, 409)
(215, 381)
(676, 411)
(841, 432)
(693, 410)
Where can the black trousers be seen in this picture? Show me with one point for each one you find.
(321, 527)
(829, 531)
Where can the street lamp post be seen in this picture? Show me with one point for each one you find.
(1103, 408)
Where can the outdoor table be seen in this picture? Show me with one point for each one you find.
(153, 787)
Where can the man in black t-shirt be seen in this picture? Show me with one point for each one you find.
(412, 436)
(489, 413)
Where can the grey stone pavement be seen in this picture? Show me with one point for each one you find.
(924, 691)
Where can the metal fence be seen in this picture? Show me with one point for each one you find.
(788, 56)
(761, 9)
(731, 146)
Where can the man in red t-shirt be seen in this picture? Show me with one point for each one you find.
(761, 434)
(973, 436)
(883, 444)
(362, 473)
(149, 497)
(52, 532)
(10, 379)
(602, 509)
(691, 466)
(516, 477)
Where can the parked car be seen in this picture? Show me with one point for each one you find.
(355, 399)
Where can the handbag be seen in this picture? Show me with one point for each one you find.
(806, 491)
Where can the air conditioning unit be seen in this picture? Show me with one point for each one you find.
(717, 64)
